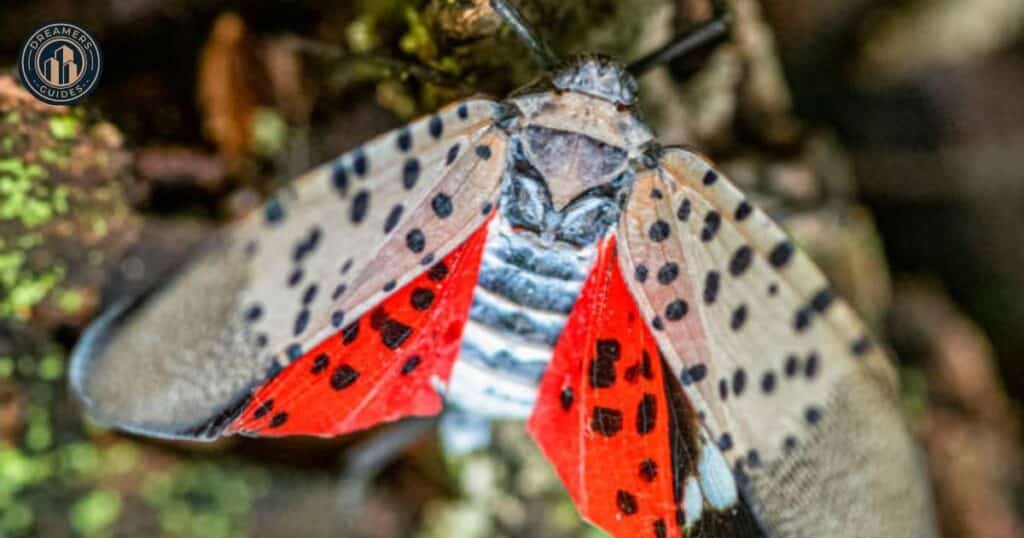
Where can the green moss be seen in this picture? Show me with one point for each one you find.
(71, 301)
(25, 197)
(95, 512)
(64, 127)
(16, 469)
(121, 458)
(38, 436)
(51, 367)
(204, 499)
(16, 518)
(269, 133)
(417, 40)
(361, 34)
(79, 458)
(24, 288)
(58, 157)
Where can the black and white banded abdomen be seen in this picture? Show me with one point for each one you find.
(525, 291)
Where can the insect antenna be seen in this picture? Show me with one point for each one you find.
(526, 34)
(709, 33)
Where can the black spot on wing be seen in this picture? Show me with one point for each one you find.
(337, 318)
(410, 173)
(743, 210)
(301, 322)
(780, 254)
(415, 241)
(739, 317)
(711, 284)
(659, 231)
(442, 205)
(668, 273)
(435, 126)
(404, 139)
(339, 177)
(712, 222)
(360, 205)
(566, 398)
(273, 211)
(741, 260)
(453, 152)
(393, 333)
(320, 364)
(693, 374)
(648, 470)
(350, 333)
(860, 347)
(676, 310)
(822, 300)
(606, 421)
(360, 162)
(263, 410)
(626, 502)
(278, 420)
(683, 212)
(640, 273)
(411, 364)
(437, 272)
(393, 218)
(739, 381)
(646, 414)
(660, 529)
(343, 377)
(422, 298)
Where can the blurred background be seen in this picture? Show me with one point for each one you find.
(886, 135)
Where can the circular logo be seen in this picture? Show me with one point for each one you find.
(60, 63)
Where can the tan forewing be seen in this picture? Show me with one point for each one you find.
(770, 356)
(323, 250)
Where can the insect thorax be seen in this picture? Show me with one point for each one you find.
(572, 152)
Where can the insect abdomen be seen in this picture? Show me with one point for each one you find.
(520, 305)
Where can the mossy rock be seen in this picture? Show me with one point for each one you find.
(64, 215)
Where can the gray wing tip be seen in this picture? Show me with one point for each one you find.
(90, 347)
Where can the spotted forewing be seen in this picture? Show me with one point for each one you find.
(182, 360)
(789, 384)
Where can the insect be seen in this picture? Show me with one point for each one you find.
(697, 376)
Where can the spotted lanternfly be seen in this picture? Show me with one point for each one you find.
(685, 368)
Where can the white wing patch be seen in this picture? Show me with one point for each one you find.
(320, 253)
(746, 320)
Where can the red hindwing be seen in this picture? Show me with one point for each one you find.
(384, 366)
(603, 416)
